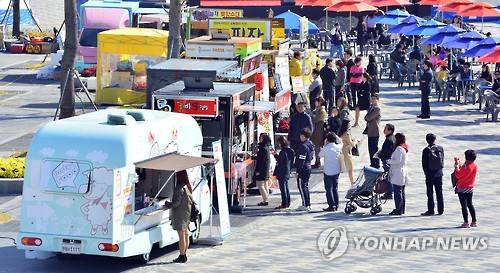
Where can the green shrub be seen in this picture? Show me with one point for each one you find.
(11, 167)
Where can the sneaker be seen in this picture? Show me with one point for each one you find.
(308, 208)
(427, 213)
(473, 224)
(280, 207)
(464, 225)
(394, 212)
(301, 208)
(329, 209)
(263, 204)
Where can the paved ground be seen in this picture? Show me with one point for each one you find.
(286, 241)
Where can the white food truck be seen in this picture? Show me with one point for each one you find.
(96, 183)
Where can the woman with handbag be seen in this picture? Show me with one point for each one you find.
(398, 173)
(319, 118)
(180, 212)
(466, 179)
(262, 167)
(348, 145)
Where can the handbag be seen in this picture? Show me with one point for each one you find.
(454, 180)
(195, 212)
(382, 186)
(355, 150)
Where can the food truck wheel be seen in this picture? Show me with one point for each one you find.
(143, 258)
(195, 235)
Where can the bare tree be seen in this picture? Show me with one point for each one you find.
(16, 18)
(174, 28)
(68, 60)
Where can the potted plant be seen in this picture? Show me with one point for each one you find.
(11, 175)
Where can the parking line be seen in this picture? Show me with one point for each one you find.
(5, 218)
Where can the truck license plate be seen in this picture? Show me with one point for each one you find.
(71, 247)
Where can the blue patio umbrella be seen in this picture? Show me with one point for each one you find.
(392, 17)
(406, 25)
(292, 23)
(482, 48)
(444, 35)
(427, 28)
(465, 40)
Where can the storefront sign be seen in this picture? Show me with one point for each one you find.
(201, 14)
(250, 64)
(282, 100)
(255, 28)
(284, 47)
(193, 107)
(221, 51)
(298, 85)
(225, 225)
(278, 25)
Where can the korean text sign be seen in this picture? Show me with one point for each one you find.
(255, 28)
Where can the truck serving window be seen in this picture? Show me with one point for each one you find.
(69, 176)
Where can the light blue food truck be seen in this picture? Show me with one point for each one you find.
(96, 183)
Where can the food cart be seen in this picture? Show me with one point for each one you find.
(105, 195)
(123, 58)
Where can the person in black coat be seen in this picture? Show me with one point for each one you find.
(372, 70)
(327, 77)
(299, 121)
(303, 158)
(385, 153)
(284, 162)
(425, 88)
(262, 167)
(432, 164)
(334, 122)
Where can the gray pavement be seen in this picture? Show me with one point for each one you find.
(286, 241)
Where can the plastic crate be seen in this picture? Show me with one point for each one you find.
(17, 48)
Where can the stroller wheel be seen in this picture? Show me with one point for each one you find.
(375, 210)
(348, 209)
(353, 208)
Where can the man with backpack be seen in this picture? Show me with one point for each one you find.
(432, 164)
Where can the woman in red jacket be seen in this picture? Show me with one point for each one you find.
(466, 178)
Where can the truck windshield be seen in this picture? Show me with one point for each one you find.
(88, 37)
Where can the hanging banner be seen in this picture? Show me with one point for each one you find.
(281, 68)
(254, 28)
(303, 29)
(225, 225)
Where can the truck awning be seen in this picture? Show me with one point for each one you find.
(257, 106)
(173, 162)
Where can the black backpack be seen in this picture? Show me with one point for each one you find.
(436, 158)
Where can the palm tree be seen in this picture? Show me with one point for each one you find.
(68, 60)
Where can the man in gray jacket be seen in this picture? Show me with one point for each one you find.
(372, 119)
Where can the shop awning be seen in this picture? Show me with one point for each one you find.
(241, 3)
(173, 162)
(258, 106)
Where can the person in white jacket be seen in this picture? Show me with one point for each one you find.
(398, 173)
(331, 153)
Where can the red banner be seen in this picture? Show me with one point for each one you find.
(197, 107)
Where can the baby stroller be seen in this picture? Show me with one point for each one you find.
(362, 192)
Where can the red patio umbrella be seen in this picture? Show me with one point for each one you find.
(492, 57)
(429, 2)
(319, 3)
(480, 10)
(351, 6)
(388, 3)
(454, 5)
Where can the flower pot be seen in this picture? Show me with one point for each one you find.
(11, 185)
